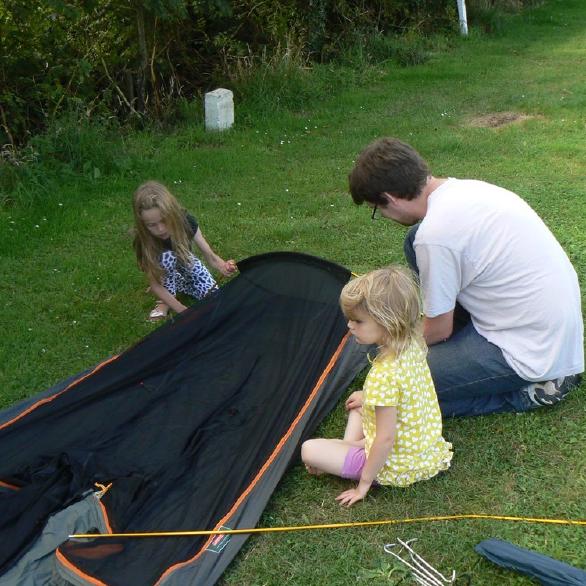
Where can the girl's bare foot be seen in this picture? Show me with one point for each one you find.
(313, 470)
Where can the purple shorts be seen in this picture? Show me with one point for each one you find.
(354, 463)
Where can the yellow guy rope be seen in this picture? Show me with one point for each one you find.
(334, 526)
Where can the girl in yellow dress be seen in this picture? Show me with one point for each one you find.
(394, 430)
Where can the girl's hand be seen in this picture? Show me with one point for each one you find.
(349, 497)
(227, 267)
(354, 401)
(231, 266)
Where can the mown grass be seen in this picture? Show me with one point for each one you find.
(71, 293)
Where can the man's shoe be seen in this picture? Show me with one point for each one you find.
(550, 392)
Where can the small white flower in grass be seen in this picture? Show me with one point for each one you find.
(331, 205)
(30, 329)
(239, 204)
(37, 226)
(60, 204)
(282, 142)
(286, 189)
(43, 350)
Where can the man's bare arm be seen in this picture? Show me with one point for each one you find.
(438, 329)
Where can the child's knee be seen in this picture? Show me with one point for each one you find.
(307, 451)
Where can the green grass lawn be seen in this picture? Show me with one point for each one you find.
(72, 295)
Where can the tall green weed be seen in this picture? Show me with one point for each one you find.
(490, 15)
(72, 145)
(408, 49)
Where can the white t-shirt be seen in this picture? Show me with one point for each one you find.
(484, 247)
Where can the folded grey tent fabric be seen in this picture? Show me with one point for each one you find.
(548, 571)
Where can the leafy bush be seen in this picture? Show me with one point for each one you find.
(135, 60)
(72, 71)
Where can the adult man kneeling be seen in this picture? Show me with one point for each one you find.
(500, 296)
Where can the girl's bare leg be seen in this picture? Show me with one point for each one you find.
(354, 431)
(324, 455)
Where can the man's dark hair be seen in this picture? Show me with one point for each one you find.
(387, 165)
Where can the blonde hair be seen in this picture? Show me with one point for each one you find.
(147, 247)
(390, 296)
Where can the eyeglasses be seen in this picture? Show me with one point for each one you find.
(373, 217)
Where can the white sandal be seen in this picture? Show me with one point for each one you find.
(158, 314)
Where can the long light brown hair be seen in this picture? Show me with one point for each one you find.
(390, 296)
(148, 248)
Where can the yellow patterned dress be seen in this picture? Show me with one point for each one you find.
(419, 451)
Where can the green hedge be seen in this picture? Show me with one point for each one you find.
(134, 60)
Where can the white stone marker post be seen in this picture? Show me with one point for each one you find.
(219, 109)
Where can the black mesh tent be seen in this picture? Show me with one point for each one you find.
(191, 428)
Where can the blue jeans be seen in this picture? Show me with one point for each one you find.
(470, 374)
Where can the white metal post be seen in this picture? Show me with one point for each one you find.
(462, 17)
